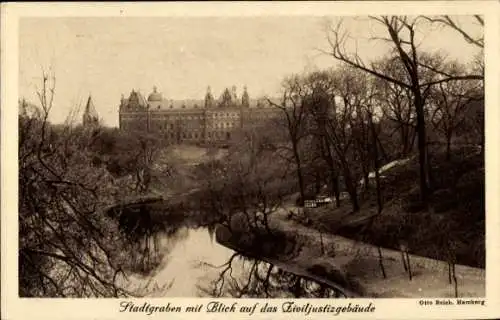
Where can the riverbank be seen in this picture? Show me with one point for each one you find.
(361, 262)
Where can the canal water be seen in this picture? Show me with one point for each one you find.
(195, 265)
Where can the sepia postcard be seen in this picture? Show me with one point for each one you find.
(250, 160)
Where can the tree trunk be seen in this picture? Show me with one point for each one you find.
(409, 264)
(376, 165)
(334, 178)
(366, 178)
(351, 189)
(405, 140)
(317, 183)
(298, 170)
(455, 280)
(381, 149)
(449, 271)
(381, 262)
(413, 137)
(336, 190)
(422, 147)
(354, 201)
(448, 149)
(430, 177)
(321, 242)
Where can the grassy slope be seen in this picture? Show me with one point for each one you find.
(359, 262)
(456, 213)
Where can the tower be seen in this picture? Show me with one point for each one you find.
(155, 96)
(90, 116)
(225, 99)
(209, 99)
(245, 99)
(234, 96)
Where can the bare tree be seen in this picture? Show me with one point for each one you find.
(336, 102)
(322, 108)
(349, 143)
(397, 105)
(294, 119)
(453, 23)
(247, 186)
(401, 31)
(67, 247)
(450, 101)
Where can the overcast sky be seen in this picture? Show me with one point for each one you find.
(107, 57)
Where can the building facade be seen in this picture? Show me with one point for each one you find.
(193, 121)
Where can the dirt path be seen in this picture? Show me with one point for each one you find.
(430, 277)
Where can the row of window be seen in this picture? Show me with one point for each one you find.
(195, 117)
(195, 135)
(222, 125)
(183, 117)
(202, 117)
(166, 126)
(227, 115)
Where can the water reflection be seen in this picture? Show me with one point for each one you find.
(259, 279)
(194, 265)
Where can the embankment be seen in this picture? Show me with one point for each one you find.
(349, 266)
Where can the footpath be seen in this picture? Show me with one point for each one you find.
(361, 261)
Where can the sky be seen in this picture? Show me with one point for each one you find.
(106, 57)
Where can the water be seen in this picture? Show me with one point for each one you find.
(195, 265)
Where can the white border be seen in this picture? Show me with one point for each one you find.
(14, 308)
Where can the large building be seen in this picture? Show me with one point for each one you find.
(196, 121)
